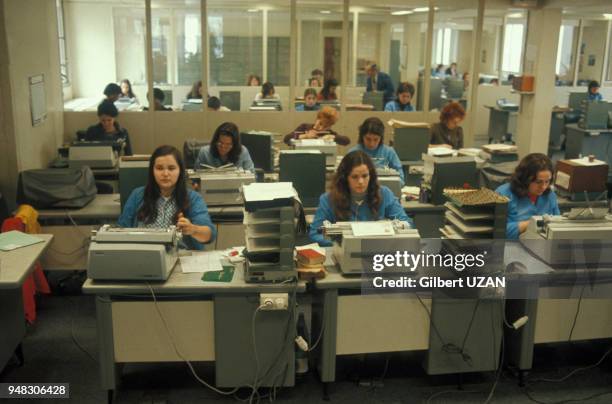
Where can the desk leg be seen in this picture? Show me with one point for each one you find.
(325, 313)
(109, 372)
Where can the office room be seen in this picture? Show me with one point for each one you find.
(306, 201)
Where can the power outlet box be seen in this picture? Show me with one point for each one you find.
(274, 301)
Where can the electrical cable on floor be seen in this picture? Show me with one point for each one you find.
(577, 313)
(72, 334)
(179, 354)
(573, 372)
(570, 400)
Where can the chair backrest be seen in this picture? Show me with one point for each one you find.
(293, 168)
(191, 149)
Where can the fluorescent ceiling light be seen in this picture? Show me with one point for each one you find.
(252, 10)
(422, 9)
(325, 12)
(402, 12)
(608, 16)
(515, 15)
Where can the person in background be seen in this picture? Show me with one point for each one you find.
(166, 201)
(253, 81)
(379, 81)
(310, 101)
(452, 70)
(313, 82)
(355, 195)
(213, 104)
(510, 78)
(593, 91)
(494, 82)
(158, 99)
(108, 128)
(328, 92)
(196, 91)
(112, 92)
(529, 192)
(371, 142)
(482, 81)
(326, 118)
(225, 148)
(126, 89)
(405, 92)
(447, 132)
(267, 92)
(439, 71)
(317, 74)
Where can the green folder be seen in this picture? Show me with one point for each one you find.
(14, 239)
(225, 275)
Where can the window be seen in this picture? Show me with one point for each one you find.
(59, 4)
(513, 48)
(443, 38)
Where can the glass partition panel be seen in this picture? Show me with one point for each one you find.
(453, 40)
(591, 50)
(235, 40)
(177, 55)
(566, 59)
(105, 45)
(319, 54)
(386, 54)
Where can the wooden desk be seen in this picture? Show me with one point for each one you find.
(15, 266)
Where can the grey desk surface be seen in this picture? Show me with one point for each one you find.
(16, 265)
(535, 269)
(592, 132)
(181, 283)
(102, 207)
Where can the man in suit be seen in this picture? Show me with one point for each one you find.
(379, 81)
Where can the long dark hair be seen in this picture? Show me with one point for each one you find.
(372, 125)
(340, 193)
(130, 92)
(527, 171)
(148, 211)
(227, 129)
(195, 90)
(267, 89)
(326, 90)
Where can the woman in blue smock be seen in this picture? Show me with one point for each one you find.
(166, 201)
(225, 148)
(529, 193)
(371, 136)
(355, 196)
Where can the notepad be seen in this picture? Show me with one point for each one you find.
(206, 261)
(15, 239)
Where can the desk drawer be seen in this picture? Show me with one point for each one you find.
(140, 335)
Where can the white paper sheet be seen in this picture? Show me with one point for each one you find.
(205, 261)
(267, 191)
(365, 229)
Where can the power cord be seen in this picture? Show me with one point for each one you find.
(577, 313)
(180, 355)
